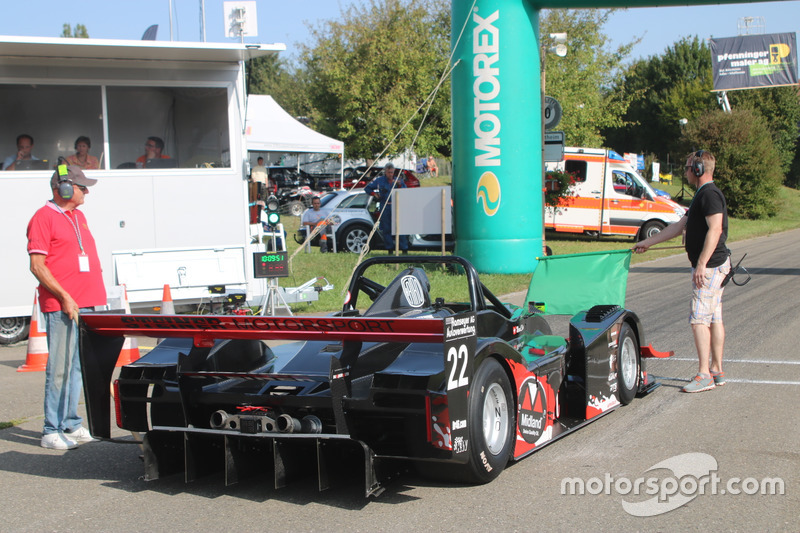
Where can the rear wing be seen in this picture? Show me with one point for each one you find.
(204, 329)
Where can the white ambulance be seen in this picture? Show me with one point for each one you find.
(608, 197)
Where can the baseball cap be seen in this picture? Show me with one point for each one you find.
(75, 176)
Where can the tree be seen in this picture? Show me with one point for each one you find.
(272, 75)
(746, 169)
(369, 73)
(80, 31)
(781, 108)
(582, 80)
(665, 89)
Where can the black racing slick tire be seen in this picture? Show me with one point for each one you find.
(628, 368)
(491, 423)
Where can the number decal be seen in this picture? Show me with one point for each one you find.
(458, 357)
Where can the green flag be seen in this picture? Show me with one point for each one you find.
(567, 284)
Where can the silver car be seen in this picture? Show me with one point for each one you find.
(354, 214)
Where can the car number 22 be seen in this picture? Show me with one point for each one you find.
(458, 359)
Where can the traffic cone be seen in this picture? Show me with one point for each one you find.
(167, 307)
(36, 360)
(130, 349)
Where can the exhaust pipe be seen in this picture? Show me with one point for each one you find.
(288, 424)
(218, 419)
(309, 424)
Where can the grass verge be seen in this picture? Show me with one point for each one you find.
(336, 268)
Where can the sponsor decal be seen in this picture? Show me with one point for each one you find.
(459, 424)
(486, 89)
(458, 327)
(266, 323)
(485, 462)
(532, 415)
(489, 193)
(412, 290)
(460, 445)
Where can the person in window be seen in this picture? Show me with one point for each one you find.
(81, 157)
(152, 150)
(24, 149)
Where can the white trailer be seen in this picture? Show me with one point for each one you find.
(184, 222)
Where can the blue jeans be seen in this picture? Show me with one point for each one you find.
(386, 232)
(63, 381)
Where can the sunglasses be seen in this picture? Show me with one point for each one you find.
(82, 188)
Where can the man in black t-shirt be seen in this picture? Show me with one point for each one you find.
(706, 226)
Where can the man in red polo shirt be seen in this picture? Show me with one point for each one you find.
(64, 259)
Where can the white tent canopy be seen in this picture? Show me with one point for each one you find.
(271, 129)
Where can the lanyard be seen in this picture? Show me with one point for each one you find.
(75, 226)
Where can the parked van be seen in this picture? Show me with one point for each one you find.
(608, 197)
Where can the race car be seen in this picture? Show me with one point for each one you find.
(422, 365)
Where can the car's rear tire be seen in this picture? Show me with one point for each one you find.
(654, 227)
(628, 369)
(491, 423)
(14, 329)
(353, 238)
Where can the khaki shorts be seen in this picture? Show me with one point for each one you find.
(706, 305)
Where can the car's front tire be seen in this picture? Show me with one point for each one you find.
(352, 239)
(627, 365)
(654, 227)
(13, 329)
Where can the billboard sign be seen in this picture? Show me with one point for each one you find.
(753, 61)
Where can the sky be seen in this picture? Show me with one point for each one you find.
(286, 21)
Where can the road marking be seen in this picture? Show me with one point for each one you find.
(737, 380)
(726, 361)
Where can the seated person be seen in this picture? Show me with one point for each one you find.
(81, 157)
(311, 219)
(152, 150)
(24, 148)
(432, 168)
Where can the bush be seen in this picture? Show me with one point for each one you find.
(748, 165)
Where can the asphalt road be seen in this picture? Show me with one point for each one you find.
(747, 430)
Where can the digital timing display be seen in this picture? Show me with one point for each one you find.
(270, 264)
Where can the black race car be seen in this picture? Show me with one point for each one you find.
(423, 364)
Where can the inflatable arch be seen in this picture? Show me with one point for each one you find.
(497, 134)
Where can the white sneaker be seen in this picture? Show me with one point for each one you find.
(58, 441)
(80, 436)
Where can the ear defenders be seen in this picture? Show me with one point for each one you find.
(698, 168)
(64, 184)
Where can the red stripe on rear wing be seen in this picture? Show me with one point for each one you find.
(204, 329)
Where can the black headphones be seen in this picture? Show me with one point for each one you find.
(698, 168)
(65, 189)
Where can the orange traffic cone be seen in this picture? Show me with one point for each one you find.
(36, 361)
(167, 307)
(130, 349)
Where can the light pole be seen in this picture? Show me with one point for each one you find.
(559, 48)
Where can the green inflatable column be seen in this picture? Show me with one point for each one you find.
(497, 135)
